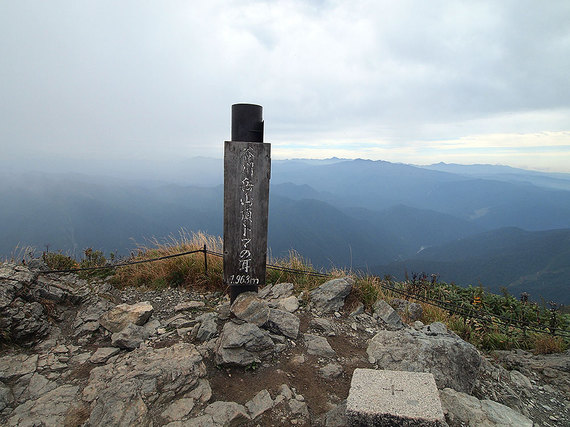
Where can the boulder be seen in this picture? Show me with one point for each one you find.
(387, 314)
(463, 409)
(119, 317)
(124, 392)
(250, 308)
(283, 323)
(330, 296)
(453, 362)
(241, 345)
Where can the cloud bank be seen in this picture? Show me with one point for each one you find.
(407, 81)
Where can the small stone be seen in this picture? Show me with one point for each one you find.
(290, 304)
(318, 346)
(227, 413)
(116, 319)
(259, 404)
(189, 305)
(298, 408)
(103, 354)
(130, 337)
(330, 371)
(285, 391)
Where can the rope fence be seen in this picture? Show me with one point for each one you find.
(452, 308)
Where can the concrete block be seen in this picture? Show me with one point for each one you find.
(393, 398)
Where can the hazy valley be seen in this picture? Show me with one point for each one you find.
(488, 225)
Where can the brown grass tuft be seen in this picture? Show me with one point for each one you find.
(187, 270)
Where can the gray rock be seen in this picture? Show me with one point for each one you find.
(119, 392)
(259, 404)
(103, 354)
(466, 409)
(436, 328)
(189, 305)
(201, 421)
(290, 304)
(281, 290)
(116, 319)
(130, 337)
(250, 308)
(388, 315)
(283, 322)
(330, 296)
(54, 290)
(202, 392)
(298, 408)
(241, 345)
(336, 417)
(180, 321)
(208, 327)
(50, 409)
(24, 323)
(227, 413)
(6, 396)
(178, 409)
(285, 391)
(17, 365)
(37, 386)
(318, 346)
(453, 362)
(37, 264)
(411, 310)
(323, 325)
(520, 379)
(330, 371)
(87, 318)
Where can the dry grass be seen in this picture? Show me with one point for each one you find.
(21, 254)
(546, 344)
(188, 270)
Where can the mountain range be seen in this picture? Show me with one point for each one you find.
(478, 224)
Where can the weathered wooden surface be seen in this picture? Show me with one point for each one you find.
(247, 169)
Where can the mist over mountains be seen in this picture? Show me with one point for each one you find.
(493, 225)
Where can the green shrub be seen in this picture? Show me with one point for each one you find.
(58, 261)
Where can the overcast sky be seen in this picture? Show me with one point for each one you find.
(404, 81)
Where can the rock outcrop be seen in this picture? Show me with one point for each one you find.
(453, 362)
(96, 355)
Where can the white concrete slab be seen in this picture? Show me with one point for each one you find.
(394, 398)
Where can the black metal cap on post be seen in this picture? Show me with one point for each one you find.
(247, 123)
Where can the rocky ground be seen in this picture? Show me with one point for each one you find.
(85, 353)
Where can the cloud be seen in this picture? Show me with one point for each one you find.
(156, 80)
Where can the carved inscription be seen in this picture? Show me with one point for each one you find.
(246, 199)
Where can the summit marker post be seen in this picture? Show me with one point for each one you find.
(247, 170)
